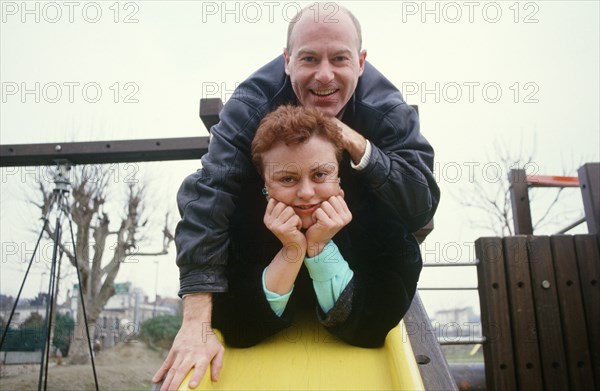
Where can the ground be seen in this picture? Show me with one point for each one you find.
(127, 366)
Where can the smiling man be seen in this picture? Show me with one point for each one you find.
(324, 62)
(386, 173)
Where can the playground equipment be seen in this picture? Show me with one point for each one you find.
(306, 357)
(539, 296)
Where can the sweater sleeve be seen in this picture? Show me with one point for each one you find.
(330, 274)
(276, 301)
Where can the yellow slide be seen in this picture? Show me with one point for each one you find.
(306, 357)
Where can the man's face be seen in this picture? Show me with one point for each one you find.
(324, 63)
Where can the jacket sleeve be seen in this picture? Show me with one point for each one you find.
(207, 199)
(400, 169)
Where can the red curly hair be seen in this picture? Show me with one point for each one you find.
(293, 125)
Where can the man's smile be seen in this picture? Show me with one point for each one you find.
(324, 92)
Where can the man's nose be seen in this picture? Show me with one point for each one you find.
(324, 72)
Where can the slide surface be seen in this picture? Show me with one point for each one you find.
(306, 357)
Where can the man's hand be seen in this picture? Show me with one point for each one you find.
(331, 217)
(195, 346)
(353, 141)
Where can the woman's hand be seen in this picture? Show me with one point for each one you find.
(285, 225)
(330, 218)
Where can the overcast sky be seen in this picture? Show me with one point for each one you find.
(523, 75)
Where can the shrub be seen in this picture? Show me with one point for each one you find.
(160, 331)
(63, 330)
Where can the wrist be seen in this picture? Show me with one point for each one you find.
(315, 248)
(197, 307)
(356, 145)
(293, 251)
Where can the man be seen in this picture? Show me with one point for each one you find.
(388, 184)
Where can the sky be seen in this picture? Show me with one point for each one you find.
(520, 76)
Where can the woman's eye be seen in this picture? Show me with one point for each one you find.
(320, 176)
(286, 180)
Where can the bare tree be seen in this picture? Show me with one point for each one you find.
(493, 199)
(98, 258)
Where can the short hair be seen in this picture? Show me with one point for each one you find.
(297, 17)
(294, 125)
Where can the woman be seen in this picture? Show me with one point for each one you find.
(307, 221)
(297, 151)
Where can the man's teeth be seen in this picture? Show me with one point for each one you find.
(325, 92)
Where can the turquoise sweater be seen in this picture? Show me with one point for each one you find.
(330, 274)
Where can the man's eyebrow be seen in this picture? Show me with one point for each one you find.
(342, 51)
(303, 51)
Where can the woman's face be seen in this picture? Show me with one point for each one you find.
(302, 175)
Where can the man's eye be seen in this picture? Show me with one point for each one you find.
(340, 58)
(309, 59)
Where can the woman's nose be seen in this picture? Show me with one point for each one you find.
(306, 190)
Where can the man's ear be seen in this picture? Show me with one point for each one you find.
(362, 57)
(286, 56)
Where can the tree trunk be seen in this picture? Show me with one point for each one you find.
(79, 351)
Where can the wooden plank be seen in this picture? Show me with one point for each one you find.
(519, 198)
(522, 313)
(209, 111)
(552, 181)
(572, 316)
(433, 366)
(588, 262)
(495, 321)
(103, 152)
(589, 179)
(547, 314)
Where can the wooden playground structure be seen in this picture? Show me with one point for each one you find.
(539, 295)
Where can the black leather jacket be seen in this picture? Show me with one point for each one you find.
(222, 208)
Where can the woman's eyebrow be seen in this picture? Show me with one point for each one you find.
(329, 167)
(284, 171)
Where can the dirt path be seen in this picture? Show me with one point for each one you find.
(128, 366)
